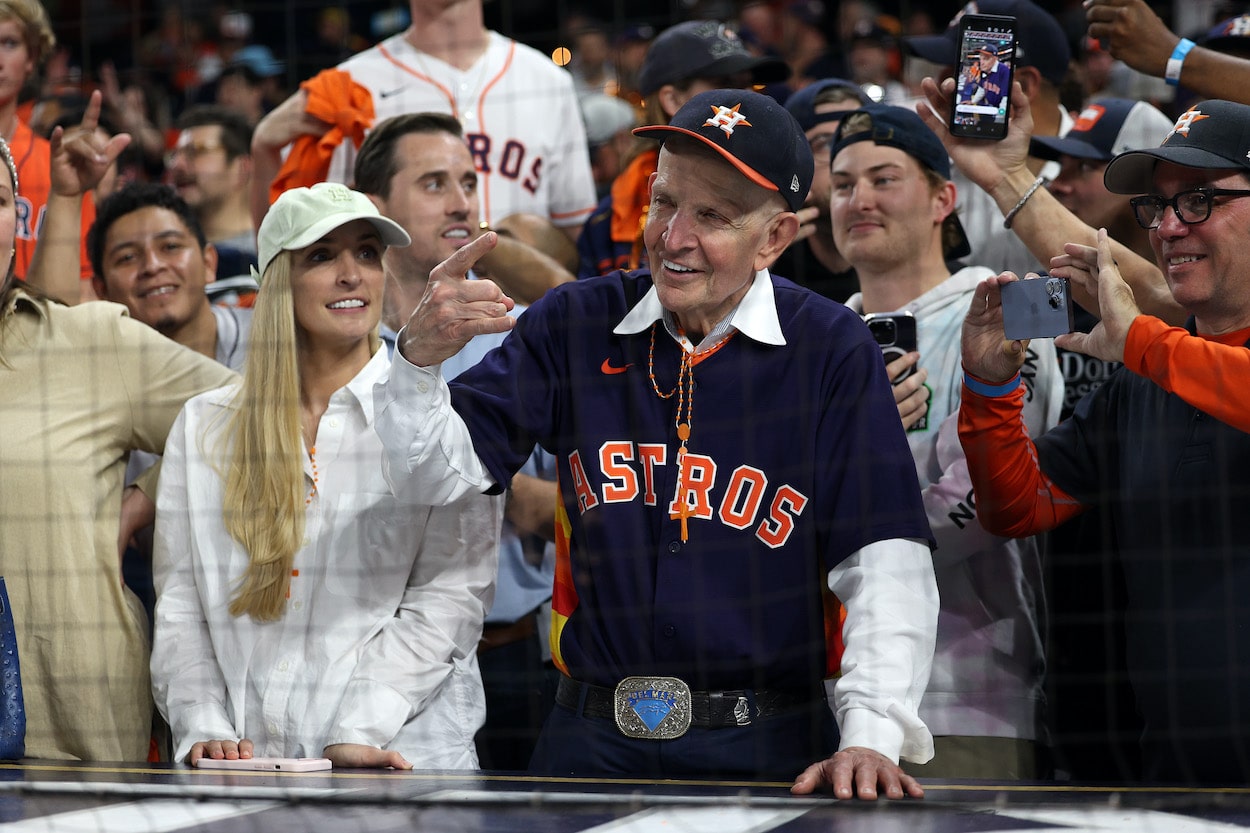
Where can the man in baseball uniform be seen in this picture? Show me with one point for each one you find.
(518, 110)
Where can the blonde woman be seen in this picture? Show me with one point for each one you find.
(302, 611)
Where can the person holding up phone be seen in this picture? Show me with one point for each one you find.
(893, 219)
(1040, 66)
(1170, 472)
(301, 610)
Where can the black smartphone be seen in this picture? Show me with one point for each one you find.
(987, 54)
(1038, 307)
(895, 332)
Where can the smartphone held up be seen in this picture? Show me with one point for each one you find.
(984, 72)
(1038, 307)
(895, 333)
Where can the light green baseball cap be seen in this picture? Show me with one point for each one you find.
(302, 216)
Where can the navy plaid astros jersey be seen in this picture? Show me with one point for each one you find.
(796, 458)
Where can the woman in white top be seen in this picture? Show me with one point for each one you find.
(301, 610)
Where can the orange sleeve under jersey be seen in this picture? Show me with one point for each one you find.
(1208, 372)
(1014, 497)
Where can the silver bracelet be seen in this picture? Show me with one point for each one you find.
(1011, 215)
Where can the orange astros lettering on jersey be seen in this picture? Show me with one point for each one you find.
(622, 482)
(585, 494)
(698, 473)
(742, 497)
(776, 528)
(651, 455)
(627, 472)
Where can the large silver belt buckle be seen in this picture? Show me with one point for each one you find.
(655, 708)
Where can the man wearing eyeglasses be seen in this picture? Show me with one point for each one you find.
(210, 167)
(1151, 446)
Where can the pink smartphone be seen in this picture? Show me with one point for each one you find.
(267, 764)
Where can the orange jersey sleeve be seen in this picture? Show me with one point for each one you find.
(1208, 372)
(32, 155)
(1014, 497)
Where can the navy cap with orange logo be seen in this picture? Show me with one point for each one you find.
(1211, 135)
(1106, 127)
(753, 133)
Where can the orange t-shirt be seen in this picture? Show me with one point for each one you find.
(33, 157)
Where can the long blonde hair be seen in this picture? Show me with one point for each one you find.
(263, 504)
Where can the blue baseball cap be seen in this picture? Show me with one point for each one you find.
(899, 127)
(1040, 40)
(753, 133)
(1231, 36)
(703, 49)
(802, 104)
(1105, 128)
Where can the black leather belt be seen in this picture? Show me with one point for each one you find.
(708, 709)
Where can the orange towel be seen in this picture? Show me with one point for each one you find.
(335, 98)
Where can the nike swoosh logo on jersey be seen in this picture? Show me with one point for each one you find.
(389, 93)
(608, 369)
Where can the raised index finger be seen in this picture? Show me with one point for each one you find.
(463, 259)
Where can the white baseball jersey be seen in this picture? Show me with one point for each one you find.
(520, 118)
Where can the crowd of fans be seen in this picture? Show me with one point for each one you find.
(151, 187)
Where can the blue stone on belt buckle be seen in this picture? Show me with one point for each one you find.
(653, 708)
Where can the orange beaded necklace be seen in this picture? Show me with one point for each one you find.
(684, 391)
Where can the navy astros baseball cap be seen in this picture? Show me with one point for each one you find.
(1040, 40)
(1105, 128)
(802, 104)
(899, 127)
(1211, 135)
(1231, 36)
(753, 133)
(703, 49)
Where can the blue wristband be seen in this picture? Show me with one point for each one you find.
(1172, 74)
(979, 387)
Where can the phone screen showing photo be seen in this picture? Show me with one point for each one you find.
(987, 53)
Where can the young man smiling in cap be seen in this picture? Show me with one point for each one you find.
(893, 219)
(694, 548)
(1162, 445)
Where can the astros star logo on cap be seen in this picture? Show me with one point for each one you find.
(1185, 121)
(727, 119)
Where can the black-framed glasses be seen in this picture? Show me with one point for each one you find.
(1191, 207)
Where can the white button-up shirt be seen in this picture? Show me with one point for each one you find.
(377, 644)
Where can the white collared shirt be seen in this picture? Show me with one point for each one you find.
(377, 643)
(754, 316)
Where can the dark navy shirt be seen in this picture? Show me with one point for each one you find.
(796, 451)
